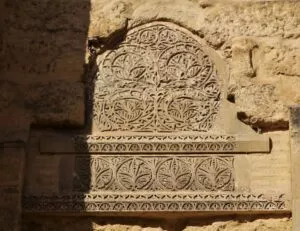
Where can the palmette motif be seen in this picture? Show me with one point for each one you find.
(158, 80)
(165, 173)
(160, 202)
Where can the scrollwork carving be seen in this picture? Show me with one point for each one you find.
(159, 79)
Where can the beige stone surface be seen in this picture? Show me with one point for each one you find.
(257, 225)
(264, 80)
(272, 173)
(295, 159)
(46, 41)
(258, 39)
(94, 224)
(43, 64)
(217, 21)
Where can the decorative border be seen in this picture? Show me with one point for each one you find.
(161, 143)
(159, 202)
(166, 137)
(207, 147)
(155, 143)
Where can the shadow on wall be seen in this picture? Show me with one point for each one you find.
(42, 62)
(43, 51)
(46, 45)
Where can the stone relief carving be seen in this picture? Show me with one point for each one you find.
(159, 80)
(159, 202)
(147, 173)
(152, 143)
(156, 144)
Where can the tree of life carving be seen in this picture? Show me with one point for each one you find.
(158, 80)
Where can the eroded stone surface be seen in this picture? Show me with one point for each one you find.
(264, 80)
(54, 38)
(283, 224)
(274, 65)
(56, 103)
(257, 225)
(44, 41)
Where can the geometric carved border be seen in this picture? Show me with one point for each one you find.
(152, 173)
(160, 143)
(147, 202)
(156, 143)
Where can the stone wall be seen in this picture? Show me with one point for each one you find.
(46, 54)
(237, 223)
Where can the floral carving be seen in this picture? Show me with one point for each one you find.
(214, 174)
(164, 173)
(158, 79)
(174, 174)
(134, 174)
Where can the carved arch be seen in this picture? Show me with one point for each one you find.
(161, 78)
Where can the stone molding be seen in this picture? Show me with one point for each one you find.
(149, 202)
(162, 143)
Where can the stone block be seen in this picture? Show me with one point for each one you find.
(56, 103)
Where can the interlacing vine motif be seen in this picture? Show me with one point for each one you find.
(163, 173)
(158, 79)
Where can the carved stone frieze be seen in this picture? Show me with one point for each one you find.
(155, 143)
(159, 79)
(153, 202)
(151, 173)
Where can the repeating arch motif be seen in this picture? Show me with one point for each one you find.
(150, 173)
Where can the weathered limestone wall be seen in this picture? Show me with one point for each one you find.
(135, 224)
(44, 60)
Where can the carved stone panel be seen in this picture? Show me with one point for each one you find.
(147, 173)
(159, 79)
(163, 138)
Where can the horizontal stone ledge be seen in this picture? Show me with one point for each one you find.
(153, 144)
(154, 202)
